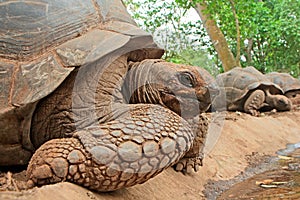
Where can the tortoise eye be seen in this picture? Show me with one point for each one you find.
(186, 79)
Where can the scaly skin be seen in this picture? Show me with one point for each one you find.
(119, 154)
(125, 144)
(193, 159)
(254, 102)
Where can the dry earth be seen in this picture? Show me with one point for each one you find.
(232, 154)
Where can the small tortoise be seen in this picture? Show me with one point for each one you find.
(86, 98)
(248, 90)
(289, 85)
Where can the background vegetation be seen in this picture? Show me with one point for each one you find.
(264, 34)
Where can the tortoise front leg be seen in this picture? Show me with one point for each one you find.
(59, 160)
(117, 154)
(192, 160)
(254, 102)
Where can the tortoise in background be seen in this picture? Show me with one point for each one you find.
(83, 87)
(289, 85)
(248, 90)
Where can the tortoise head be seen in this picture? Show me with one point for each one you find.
(186, 90)
(282, 103)
(278, 101)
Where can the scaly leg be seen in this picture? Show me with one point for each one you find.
(193, 158)
(121, 153)
(254, 102)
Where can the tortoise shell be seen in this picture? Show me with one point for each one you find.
(236, 85)
(41, 43)
(284, 80)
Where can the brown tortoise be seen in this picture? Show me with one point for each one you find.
(289, 85)
(248, 90)
(84, 92)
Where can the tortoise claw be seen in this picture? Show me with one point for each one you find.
(179, 166)
(188, 165)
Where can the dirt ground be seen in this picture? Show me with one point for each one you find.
(239, 146)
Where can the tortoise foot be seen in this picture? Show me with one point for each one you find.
(188, 165)
(58, 160)
(254, 102)
(95, 163)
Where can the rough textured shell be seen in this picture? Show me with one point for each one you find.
(284, 80)
(33, 33)
(238, 81)
(42, 42)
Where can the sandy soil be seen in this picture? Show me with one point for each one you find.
(235, 149)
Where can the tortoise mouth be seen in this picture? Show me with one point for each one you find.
(184, 104)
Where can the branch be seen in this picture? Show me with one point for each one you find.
(248, 51)
(217, 37)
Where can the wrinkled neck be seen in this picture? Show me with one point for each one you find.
(270, 98)
(140, 85)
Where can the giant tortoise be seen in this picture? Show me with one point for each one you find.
(248, 90)
(289, 85)
(85, 97)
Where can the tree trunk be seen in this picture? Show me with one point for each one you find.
(238, 34)
(217, 37)
(248, 51)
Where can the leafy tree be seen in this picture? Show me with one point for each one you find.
(167, 21)
(269, 31)
(217, 37)
(262, 33)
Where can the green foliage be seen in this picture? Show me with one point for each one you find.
(194, 57)
(167, 22)
(269, 31)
